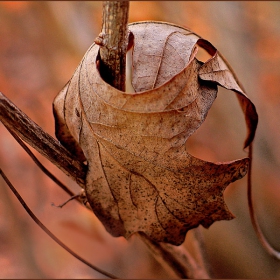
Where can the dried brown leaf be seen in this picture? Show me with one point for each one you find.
(140, 175)
(218, 70)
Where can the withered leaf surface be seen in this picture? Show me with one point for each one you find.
(140, 175)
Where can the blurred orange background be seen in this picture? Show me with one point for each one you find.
(41, 43)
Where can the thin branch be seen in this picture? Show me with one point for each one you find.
(39, 164)
(269, 249)
(49, 233)
(18, 122)
(199, 245)
(81, 197)
(113, 41)
(177, 261)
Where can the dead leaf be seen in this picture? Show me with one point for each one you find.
(140, 176)
(219, 71)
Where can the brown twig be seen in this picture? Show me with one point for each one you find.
(19, 123)
(199, 246)
(39, 164)
(113, 43)
(49, 233)
(177, 261)
(264, 242)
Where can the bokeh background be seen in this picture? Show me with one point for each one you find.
(41, 43)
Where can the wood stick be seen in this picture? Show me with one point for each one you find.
(113, 41)
(18, 122)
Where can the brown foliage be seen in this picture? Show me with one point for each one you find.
(140, 175)
(41, 45)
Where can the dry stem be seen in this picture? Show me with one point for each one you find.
(19, 123)
(113, 43)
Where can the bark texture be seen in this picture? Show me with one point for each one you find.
(113, 43)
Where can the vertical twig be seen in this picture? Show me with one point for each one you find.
(113, 43)
(264, 242)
